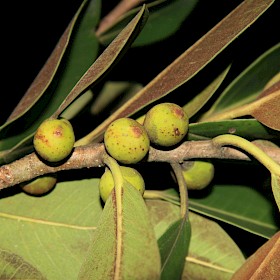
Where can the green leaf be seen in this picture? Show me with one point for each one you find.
(107, 59)
(165, 18)
(209, 256)
(193, 106)
(50, 96)
(47, 73)
(247, 128)
(13, 266)
(189, 63)
(174, 245)
(52, 232)
(246, 86)
(209, 248)
(238, 205)
(126, 249)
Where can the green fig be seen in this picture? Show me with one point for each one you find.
(198, 174)
(166, 124)
(131, 175)
(39, 186)
(126, 140)
(54, 139)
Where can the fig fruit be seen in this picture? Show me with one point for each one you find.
(54, 139)
(126, 140)
(198, 174)
(166, 124)
(39, 186)
(131, 175)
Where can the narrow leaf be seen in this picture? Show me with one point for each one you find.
(200, 100)
(165, 18)
(247, 128)
(107, 59)
(246, 87)
(72, 66)
(190, 62)
(138, 250)
(264, 263)
(45, 76)
(174, 245)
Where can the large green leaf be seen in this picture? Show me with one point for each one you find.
(80, 55)
(238, 205)
(212, 253)
(209, 244)
(189, 63)
(124, 245)
(247, 85)
(52, 232)
(13, 266)
(165, 18)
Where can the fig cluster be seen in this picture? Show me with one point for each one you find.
(164, 125)
(128, 140)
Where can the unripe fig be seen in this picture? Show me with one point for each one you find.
(39, 185)
(54, 139)
(166, 124)
(131, 175)
(198, 174)
(126, 140)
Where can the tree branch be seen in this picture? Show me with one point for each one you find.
(88, 156)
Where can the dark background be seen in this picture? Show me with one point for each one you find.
(30, 31)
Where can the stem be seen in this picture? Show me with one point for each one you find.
(249, 147)
(118, 182)
(182, 189)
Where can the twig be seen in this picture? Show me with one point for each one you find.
(88, 156)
